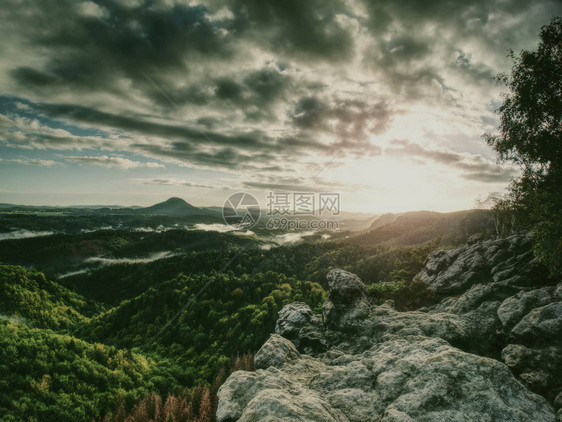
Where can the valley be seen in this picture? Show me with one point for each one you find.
(154, 305)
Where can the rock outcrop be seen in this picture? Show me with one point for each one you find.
(518, 308)
(509, 260)
(490, 353)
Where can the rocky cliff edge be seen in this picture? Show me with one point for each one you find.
(490, 351)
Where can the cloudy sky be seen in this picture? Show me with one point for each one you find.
(133, 101)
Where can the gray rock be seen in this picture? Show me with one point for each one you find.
(347, 305)
(558, 292)
(558, 401)
(311, 338)
(358, 362)
(454, 271)
(403, 378)
(540, 326)
(345, 287)
(516, 307)
(475, 238)
(476, 296)
(275, 352)
(538, 368)
(292, 318)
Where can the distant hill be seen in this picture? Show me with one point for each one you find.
(17, 207)
(418, 227)
(356, 222)
(384, 220)
(176, 207)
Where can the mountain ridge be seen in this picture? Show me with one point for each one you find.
(176, 207)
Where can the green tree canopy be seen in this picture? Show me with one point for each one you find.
(531, 114)
(530, 136)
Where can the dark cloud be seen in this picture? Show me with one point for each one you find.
(267, 84)
(30, 76)
(294, 26)
(410, 149)
(92, 51)
(310, 113)
(220, 158)
(193, 94)
(185, 140)
(189, 134)
(228, 89)
(270, 85)
(285, 187)
(348, 121)
(416, 44)
(255, 88)
(496, 176)
(479, 72)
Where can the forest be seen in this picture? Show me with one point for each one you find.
(88, 340)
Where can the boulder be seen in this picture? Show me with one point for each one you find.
(540, 326)
(514, 308)
(358, 362)
(347, 304)
(402, 378)
(275, 352)
(539, 368)
(345, 287)
(457, 270)
(292, 318)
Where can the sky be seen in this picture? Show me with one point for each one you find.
(131, 102)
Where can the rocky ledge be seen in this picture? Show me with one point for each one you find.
(491, 352)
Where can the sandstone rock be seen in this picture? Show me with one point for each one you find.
(456, 270)
(536, 380)
(505, 305)
(275, 352)
(292, 318)
(476, 296)
(540, 326)
(345, 287)
(538, 368)
(358, 362)
(402, 378)
(558, 292)
(347, 305)
(311, 338)
(558, 401)
(516, 307)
